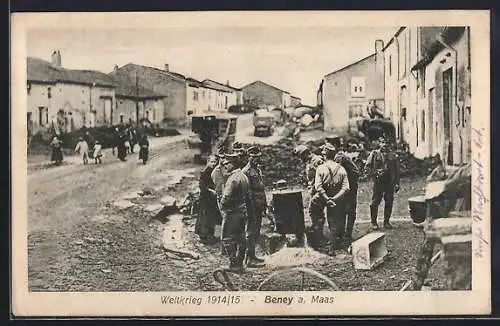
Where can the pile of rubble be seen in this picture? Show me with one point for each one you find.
(413, 167)
(280, 163)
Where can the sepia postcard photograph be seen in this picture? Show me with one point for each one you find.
(319, 163)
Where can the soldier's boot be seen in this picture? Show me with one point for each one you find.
(332, 248)
(387, 215)
(347, 237)
(231, 251)
(240, 257)
(373, 215)
(251, 259)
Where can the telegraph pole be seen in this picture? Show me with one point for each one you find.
(137, 99)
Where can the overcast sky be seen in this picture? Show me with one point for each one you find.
(293, 59)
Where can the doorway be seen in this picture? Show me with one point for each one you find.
(107, 110)
(447, 106)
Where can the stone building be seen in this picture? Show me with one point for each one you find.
(135, 103)
(346, 93)
(261, 94)
(428, 90)
(172, 86)
(65, 99)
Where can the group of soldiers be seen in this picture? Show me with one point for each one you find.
(333, 184)
(232, 194)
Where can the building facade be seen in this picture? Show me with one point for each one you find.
(172, 86)
(295, 101)
(428, 91)
(227, 95)
(135, 103)
(346, 93)
(261, 94)
(64, 100)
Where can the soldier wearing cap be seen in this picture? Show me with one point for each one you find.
(312, 162)
(234, 203)
(383, 165)
(258, 208)
(331, 184)
(239, 149)
(352, 170)
(219, 176)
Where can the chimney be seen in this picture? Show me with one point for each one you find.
(227, 83)
(379, 45)
(115, 68)
(56, 59)
(167, 67)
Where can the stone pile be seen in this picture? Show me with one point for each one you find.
(280, 163)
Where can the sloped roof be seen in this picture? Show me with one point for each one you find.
(220, 86)
(42, 71)
(350, 65)
(126, 87)
(141, 68)
(269, 85)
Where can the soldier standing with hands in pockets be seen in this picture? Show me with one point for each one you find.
(383, 165)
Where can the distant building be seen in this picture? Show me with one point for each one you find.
(172, 86)
(262, 94)
(202, 98)
(64, 99)
(346, 93)
(135, 103)
(227, 96)
(295, 101)
(428, 90)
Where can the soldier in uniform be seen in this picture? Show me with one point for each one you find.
(239, 149)
(259, 204)
(234, 202)
(352, 195)
(219, 176)
(312, 162)
(208, 215)
(331, 184)
(383, 165)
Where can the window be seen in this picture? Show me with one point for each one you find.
(357, 87)
(195, 96)
(49, 94)
(29, 88)
(203, 94)
(43, 116)
(121, 117)
(209, 95)
(423, 126)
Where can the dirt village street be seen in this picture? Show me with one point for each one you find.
(84, 237)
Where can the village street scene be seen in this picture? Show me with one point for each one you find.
(242, 163)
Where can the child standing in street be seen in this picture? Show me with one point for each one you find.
(98, 152)
(83, 149)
